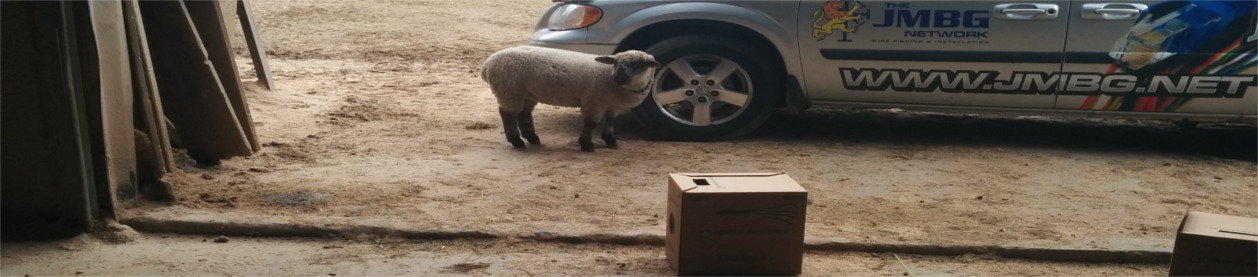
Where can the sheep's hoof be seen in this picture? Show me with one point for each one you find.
(587, 145)
(610, 140)
(518, 144)
(533, 140)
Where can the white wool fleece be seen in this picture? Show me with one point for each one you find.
(561, 78)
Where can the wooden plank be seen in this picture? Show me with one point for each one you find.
(233, 96)
(254, 39)
(191, 92)
(155, 95)
(146, 89)
(116, 114)
(211, 28)
(46, 155)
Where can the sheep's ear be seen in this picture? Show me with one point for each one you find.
(606, 59)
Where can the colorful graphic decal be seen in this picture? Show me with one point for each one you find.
(917, 26)
(1175, 52)
(844, 17)
(1167, 41)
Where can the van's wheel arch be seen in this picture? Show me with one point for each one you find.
(709, 88)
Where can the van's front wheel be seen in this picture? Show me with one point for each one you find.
(708, 88)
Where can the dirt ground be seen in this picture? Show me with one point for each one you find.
(380, 113)
(168, 255)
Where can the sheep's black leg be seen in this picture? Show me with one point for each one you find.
(609, 126)
(526, 123)
(511, 128)
(587, 133)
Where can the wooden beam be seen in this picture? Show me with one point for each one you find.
(191, 91)
(46, 154)
(214, 70)
(146, 86)
(212, 30)
(254, 39)
(116, 114)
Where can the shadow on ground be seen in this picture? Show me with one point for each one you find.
(1232, 141)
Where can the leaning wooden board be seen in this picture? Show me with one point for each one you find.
(212, 29)
(146, 88)
(257, 50)
(192, 94)
(115, 93)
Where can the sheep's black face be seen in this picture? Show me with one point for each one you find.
(631, 68)
(621, 75)
(625, 71)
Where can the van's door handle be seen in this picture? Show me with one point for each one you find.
(1113, 11)
(1025, 11)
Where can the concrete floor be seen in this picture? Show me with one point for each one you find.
(162, 254)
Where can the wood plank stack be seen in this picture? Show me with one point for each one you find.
(91, 89)
(186, 87)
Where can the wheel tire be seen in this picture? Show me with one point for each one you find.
(703, 55)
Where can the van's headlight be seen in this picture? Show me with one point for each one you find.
(573, 16)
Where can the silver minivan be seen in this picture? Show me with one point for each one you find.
(728, 65)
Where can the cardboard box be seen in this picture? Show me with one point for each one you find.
(1215, 245)
(735, 224)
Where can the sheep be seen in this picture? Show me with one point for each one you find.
(602, 86)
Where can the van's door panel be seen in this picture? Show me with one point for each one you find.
(955, 53)
(1161, 56)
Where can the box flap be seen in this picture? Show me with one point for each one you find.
(680, 180)
(1221, 226)
(743, 174)
(736, 182)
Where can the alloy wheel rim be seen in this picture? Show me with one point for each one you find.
(702, 90)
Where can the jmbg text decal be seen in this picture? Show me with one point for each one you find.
(965, 81)
(933, 26)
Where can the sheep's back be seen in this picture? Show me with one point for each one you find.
(552, 76)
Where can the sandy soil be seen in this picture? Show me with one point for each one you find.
(380, 113)
(88, 255)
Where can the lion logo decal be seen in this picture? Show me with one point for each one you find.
(834, 17)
